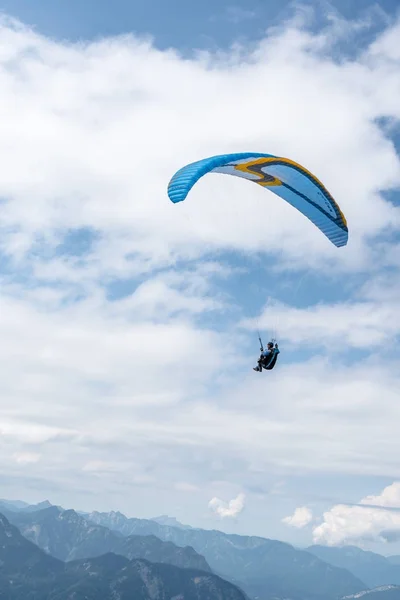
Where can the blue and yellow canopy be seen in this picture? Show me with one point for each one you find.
(284, 177)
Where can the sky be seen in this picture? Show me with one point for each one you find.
(129, 324)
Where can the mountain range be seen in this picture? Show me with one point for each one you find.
(28, 573)
(66, 535)
(112, 545)
(375, 570)
(258, 565)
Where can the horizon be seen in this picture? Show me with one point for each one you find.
(179, 523)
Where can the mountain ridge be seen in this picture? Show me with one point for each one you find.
(374, 569)
(68, 536)
(27, 572)
(252, 562)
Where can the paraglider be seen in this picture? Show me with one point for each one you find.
(282, 176)
(285, 178)
(268, 357)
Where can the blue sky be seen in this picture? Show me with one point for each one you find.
(179, 24)
(129, 324)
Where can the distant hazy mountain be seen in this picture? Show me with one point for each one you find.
(263, 568)
(28, 573)
(171, 521)
(394, 559)
(386, 592)
(68, 536)
(13, 504)
(19, 506)
(36, 507)
(375, 570)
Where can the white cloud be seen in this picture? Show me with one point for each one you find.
(385, 46)
(352, 324)
(227, 510)
(344, 524)
(390, 497)
(301, 517)
(116, 127)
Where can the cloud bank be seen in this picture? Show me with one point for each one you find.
(126, 326)
(370, 521)
(375, 519)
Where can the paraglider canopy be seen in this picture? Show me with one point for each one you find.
(282, 176)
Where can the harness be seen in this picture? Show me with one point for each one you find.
(271, 360)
